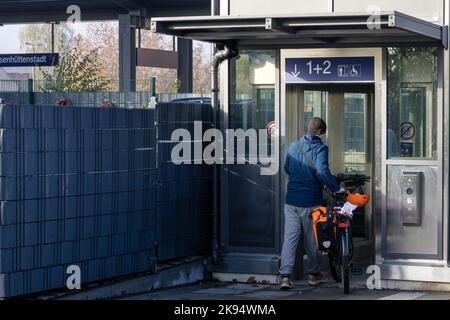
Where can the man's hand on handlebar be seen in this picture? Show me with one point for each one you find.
(341, 191)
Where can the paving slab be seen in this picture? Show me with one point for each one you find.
(435, 296)
(268, 295)
(247, 287)
(301, 291)
(365, 294)
(404, 296)
(220, 291)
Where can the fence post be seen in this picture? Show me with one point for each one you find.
(30, 92)
(152, 87)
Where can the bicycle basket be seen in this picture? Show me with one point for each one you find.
(324, 221)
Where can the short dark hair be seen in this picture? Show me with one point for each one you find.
(317, 126)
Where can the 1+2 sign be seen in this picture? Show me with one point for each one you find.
(29, 60)
(343, 69)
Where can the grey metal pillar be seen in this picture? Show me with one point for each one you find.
(185, 65)
(127, 54)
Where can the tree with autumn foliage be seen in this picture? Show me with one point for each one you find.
(97, 50)
(77, 70)
(104, 36)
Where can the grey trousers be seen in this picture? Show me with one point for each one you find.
(298, 222)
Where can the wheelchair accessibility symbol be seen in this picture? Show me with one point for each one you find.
(349, 71)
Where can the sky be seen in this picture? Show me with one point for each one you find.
(9, 39)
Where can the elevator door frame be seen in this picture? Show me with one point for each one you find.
(369, 113)
(378, 88)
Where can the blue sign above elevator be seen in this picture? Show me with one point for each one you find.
(333, 69)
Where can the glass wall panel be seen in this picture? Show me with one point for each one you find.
(252, 93)
(412, 103)
(316, 105)
(251, 204)
(355, 132)
(354, 135)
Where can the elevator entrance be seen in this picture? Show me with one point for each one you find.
(348, 110)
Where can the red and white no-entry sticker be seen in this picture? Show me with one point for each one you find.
(271, 129)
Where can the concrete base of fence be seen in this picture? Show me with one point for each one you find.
(169, 275)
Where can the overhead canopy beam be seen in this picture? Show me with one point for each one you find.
(128, 4)
(42, 11)
(277, 25)
(415, 25)
(335, 29)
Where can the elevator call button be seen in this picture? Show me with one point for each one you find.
(412, 198)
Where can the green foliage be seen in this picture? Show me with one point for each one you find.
(401, 60)
(78, 70)
(176, 86)
(37, 38)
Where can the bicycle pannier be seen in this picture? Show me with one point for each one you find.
(324, 220)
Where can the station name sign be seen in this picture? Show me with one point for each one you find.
(333, 69)
(29, 60)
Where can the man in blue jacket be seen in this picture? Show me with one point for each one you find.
(308, 169)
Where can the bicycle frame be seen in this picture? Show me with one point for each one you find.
(345, 238)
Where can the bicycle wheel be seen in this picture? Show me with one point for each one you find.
(345, 260)
(335, 265)
(345, 275)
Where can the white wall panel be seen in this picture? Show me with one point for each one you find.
(268, 7)
(432, 10)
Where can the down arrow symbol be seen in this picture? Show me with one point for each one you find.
(296, 73)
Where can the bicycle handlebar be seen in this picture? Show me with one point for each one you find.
(352, 180)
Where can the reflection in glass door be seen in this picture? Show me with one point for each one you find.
(346, 109)
(347, 122)
(248, 222)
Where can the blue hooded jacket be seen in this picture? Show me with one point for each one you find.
(305, 189)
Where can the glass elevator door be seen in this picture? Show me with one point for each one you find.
(347, 109)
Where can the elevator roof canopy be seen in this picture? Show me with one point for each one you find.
(389, 28)
(30, 11)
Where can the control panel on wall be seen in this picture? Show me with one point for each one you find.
(412, 198)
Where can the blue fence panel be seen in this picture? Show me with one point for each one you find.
(97, 188)
(77, 187)
(184, 195)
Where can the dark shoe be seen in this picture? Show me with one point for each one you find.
(285, 284)
(318, 279)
